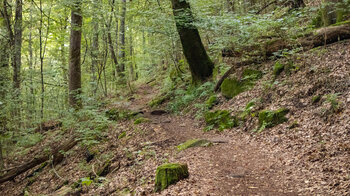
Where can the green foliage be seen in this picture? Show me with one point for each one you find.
(184, 98)
(268, 118)
(116, 114)
(212, 101)
(86, 181)
(29, 140)
(248, 109)
(141, 120)
(220, 119)
(122, 135)
(333, 100)
(232, 87)
(88, 122)
(194, 143)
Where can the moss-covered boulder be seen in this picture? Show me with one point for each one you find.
(278, 69)
(168, 174)
(220, 119)
(194, 143)
(268, 118)
(232, 87)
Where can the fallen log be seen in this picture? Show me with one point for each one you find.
(56, 152)
(49, 125)
(319, 37)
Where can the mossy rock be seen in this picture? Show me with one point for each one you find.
(158, 100)
(268, 118)
(168, 174)
(220, 119)
(141, 120)
(316, 99)
(194, 143)
(232, 87)
(278, 68)
(212, 101)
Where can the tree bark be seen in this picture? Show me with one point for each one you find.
(121, 66)
(75, 55)
(200, 64)
(95, 47)
(17, 58)
(4, 78)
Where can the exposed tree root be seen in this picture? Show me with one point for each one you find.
(55, 152)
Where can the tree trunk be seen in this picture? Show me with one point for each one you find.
(75, 54)
(17, 48)
(200, 64)
(121, 66)
(334, 11)
(95, 47)
(4, 78)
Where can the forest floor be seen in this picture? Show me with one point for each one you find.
(311, 159)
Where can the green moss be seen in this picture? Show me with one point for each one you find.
(294, 125)
(212, 101)
(220, 119)
(122, 135)
(315, 99)
(168, 174)
(278, 69)
(115, 114)
(158, 101)
(141, 120)
(268, 118)
(232, 87)
(194, 143)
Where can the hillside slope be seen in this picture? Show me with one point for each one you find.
(307, 155)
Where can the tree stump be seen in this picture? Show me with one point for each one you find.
(168, 174)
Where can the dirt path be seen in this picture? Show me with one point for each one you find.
(234, 166)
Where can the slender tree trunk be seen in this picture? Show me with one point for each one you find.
(17, 47)
(95, 48)
(4, 78)
(121, 66)
(75, 54)
(30, 62)
(200, 64)
(41, 63)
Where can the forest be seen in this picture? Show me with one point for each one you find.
(174, 97)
